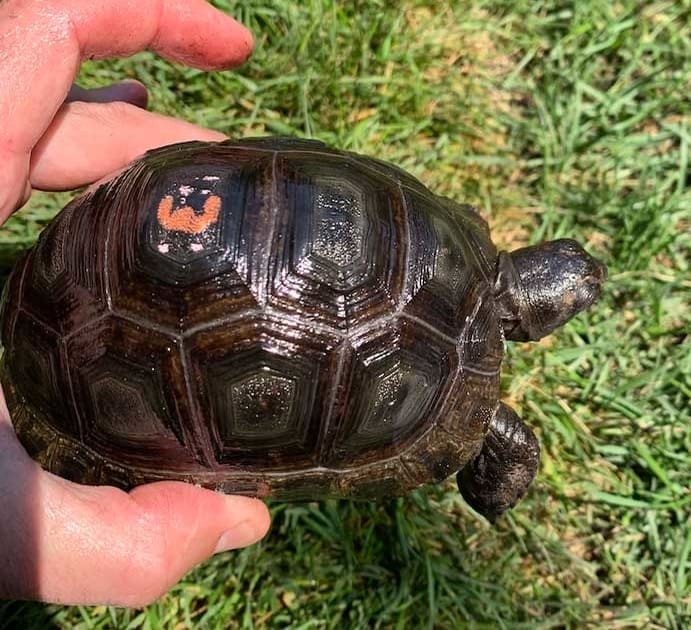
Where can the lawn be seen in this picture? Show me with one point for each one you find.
(556, 119)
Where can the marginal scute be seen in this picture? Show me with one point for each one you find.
(65, 459)
(10, 302)
(443, 280)
(64, 284)
(49, 255)
(483, 347)
(36, 365)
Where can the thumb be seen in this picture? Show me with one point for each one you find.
(73, 544)
(67, 543)
(101, 545)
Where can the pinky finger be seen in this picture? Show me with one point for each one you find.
(127, 91)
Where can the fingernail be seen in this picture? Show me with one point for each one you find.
(241, 535)
(131, 91)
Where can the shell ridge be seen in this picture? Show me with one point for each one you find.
(37, 320)
(265, 279)
(22, 277)
(469, 319)
(74, 407)
(323, 440)
(20, 292)
(324, 329)
(471, 250)
(221, 321)
(138, 321)
(106, 275)
(89, 322)
(406, 257)
(421, 322)
(201, 447)
(463, 338)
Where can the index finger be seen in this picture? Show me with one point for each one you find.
(42, 44)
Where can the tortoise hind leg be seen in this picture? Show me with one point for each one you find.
(501, 473)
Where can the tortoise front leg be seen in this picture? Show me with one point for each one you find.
(502, 472)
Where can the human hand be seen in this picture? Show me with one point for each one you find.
(60, 541)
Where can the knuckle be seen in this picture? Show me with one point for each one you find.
(145, 562)
(147, 567)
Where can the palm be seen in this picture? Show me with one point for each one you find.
(61, 541)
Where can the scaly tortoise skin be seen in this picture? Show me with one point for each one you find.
(276, 318)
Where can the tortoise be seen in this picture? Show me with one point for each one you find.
(276, 318)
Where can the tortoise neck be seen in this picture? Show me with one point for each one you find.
(512, 302)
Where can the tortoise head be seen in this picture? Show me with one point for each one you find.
(541, 287)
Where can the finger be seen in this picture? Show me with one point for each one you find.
(43, 43)
(88, 141)
(127, 91)
(187, 31)
(101, 545)
(62, 542)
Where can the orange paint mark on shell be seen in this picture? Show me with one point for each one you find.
(185, 219)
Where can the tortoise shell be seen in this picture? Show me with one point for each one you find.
(269, 317)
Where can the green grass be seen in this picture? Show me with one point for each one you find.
(556, 119)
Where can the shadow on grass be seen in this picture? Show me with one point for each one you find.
(10, 253)
(26, 615)
(416, 561)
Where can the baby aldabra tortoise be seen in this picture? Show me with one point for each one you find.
(273, 317)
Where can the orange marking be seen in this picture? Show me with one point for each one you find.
(185, 219)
